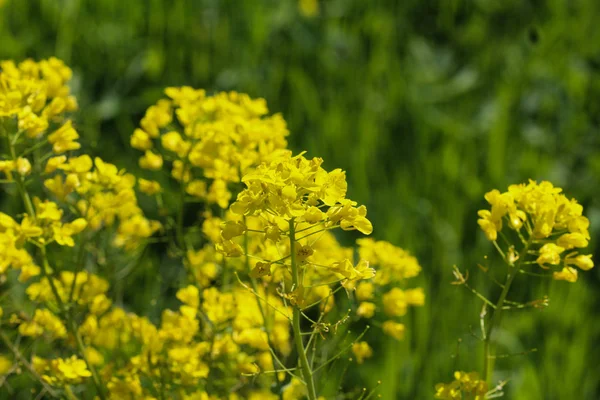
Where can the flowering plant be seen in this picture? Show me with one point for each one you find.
(267, 286)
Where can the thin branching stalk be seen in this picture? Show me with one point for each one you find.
(260, 308)
(488, 351)
(303, 360)
(46, 273)
(19, 357)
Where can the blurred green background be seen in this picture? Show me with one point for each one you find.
(426, 104)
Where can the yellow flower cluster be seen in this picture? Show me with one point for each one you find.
(35, 94)
(255, 272)
(293, 191)
(211, 328)
(464, 386)
(216, 137)
(548, 223)
(102, 194)
(6, 365)
(394, 266)
(393, 263)
(293, 187)
(45, 227)
(83, 288)
(33, 98)
(362, 351)
(62, 371)
(42, 322)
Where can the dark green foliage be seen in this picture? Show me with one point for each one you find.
(426, 104)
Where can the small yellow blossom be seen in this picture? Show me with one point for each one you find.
(140, 140)
(151, 161)
(361, 351)
(540, 211)
(394, 329)
(23, 166)
(6, 365)
(64, 139)
(366, 310)
(465, 385)
(568, 274)
(149, 187)
(308, 8)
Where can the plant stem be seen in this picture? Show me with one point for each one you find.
(71, 326)
(19, 357)
(304, 365)
(260, 308)
(19, 180)
(488, 351)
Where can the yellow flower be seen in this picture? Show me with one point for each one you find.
(571, 240)
(542, 213)
(309, 8)
(465, 385)
(568, 274)
(70, 370)
(196, 188)
(364, 291)
(173, 141)
(219, 194)
(140, 140)
(291, 187)
(94, 356)
(54, 163)
(6, 365)
(303, 252)
(361, 351)
(189, 295)
(366, 310)
(23, 166)
(295, 390)
(42, 322)
(151, 161)
(99, 304)
(149, 187)
(549, 254)
(231, 229)
(489, 226)
(29, 229)
(394, 329)
(229, 248)
(28, 271)
(261, 269)
(313, 215)
(395, 302)
(393, 263)
(583, 262)
(7, 166)
(415, 297)
(63, 233)
(64, 139)
(30, 122)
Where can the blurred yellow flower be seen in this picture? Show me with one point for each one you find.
(309, 8)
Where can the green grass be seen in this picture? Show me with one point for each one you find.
(426, 104)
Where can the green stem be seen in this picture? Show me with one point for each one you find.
(304, 365)
(71, 326)
(180, 231)
(262, 311)
(19, 357)
(488, 350)
(19, 179)
(78, 266)
(46, 273)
